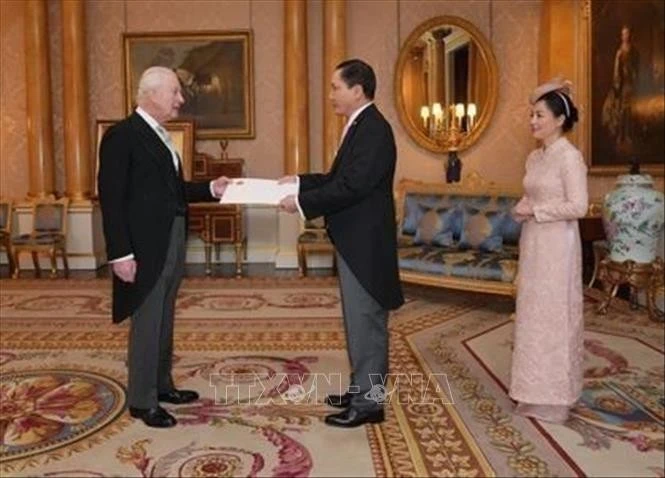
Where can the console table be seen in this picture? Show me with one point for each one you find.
(647, 277)
(218, 224)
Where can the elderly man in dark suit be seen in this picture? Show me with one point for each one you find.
(144, 206)
(356, 199)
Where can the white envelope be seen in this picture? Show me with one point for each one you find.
(257, 191)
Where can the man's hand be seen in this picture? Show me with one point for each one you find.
(288, 204)
(125, 270)
(287, 179)
(219, 186)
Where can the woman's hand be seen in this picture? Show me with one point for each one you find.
(522, 211)
(519, 218)
(523, 208)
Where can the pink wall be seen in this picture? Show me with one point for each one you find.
(106, 21)
(513, 31)
(376, 29)
(13, 129)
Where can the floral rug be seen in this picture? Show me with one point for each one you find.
(615, 430)
(263, 353)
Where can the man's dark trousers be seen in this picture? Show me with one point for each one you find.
(151, 332)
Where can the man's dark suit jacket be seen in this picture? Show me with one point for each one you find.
(140, 194)
(356, 198)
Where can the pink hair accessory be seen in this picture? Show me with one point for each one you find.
(557, 84)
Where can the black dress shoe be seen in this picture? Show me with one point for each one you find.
(354, 417)
(154, 417)
(339, 401)
(178, 396)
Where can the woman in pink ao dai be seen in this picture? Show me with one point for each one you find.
(546, 377)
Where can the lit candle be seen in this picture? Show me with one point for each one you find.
(437, 112)
(424, 114)
(471, 113)
(459, 113)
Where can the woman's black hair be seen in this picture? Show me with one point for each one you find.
(559, 103)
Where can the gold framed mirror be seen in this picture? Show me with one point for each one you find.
(446, 84)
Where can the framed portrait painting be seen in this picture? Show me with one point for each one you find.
(182, 135)
(626, 85)
(215, 70)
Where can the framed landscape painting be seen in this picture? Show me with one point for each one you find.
(626, 85)
(215, 70)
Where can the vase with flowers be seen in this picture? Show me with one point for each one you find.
(633, 216)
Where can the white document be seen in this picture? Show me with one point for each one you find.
(257, 191)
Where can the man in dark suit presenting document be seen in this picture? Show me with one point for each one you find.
(356, 199)
(144, 206)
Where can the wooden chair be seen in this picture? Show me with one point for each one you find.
(6, 231)
(49, 235)
(314, 238)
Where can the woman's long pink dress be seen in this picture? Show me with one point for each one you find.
(547, 354)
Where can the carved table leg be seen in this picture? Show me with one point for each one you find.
(218, 252)
(602, 310)
(654, 314)
(634, 305)
(207, 247)
(239, 255)
(656, 285)
(302, 261)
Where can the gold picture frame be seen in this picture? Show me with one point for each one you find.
(216, 73)
(411, 81)
(182, 133)
(615, 133)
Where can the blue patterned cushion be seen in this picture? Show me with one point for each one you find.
(415, 205)
(413, 212)
(438, 226)
(482, 230)
(496, 208)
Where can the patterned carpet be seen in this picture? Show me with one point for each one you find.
(264, 352)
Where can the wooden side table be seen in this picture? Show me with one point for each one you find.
(648, 277)
(215, 223)
(218, 224)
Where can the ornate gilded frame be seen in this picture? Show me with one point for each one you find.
(587, 121)
(216, 72)
(493, 84)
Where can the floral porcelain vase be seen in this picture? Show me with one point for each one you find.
(633, 219)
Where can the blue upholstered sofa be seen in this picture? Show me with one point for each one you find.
(458, 235)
